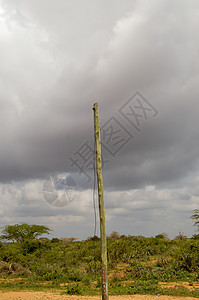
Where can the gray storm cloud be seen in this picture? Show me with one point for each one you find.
(58, 58)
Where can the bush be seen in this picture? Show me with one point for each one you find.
(73, 289)
(55, 240)
(186, 256)
(13, 268)
(29, 247)
(195, 237)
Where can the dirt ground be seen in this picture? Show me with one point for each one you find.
(49, 296)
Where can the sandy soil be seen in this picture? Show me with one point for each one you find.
(49, 296)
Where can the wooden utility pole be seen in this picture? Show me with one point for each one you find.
(101, 204)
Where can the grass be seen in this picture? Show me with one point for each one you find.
(136, 265)
(116, 288)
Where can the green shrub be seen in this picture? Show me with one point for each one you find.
(31, 246)
(73, 289)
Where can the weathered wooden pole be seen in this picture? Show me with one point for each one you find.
(101, 204)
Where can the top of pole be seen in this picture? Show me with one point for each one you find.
(95, 105)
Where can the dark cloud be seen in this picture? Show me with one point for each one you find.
(58, 58)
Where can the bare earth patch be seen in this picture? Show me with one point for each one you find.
(49, 296)
(179, 284)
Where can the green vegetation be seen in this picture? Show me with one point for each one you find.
(135, 265)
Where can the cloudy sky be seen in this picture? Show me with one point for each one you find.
(139, 60)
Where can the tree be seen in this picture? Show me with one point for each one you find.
(195, 218)
(162, 235)
(114, 236)
(93, 238)
(180, 236)
(159, 236)
(23, 232)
